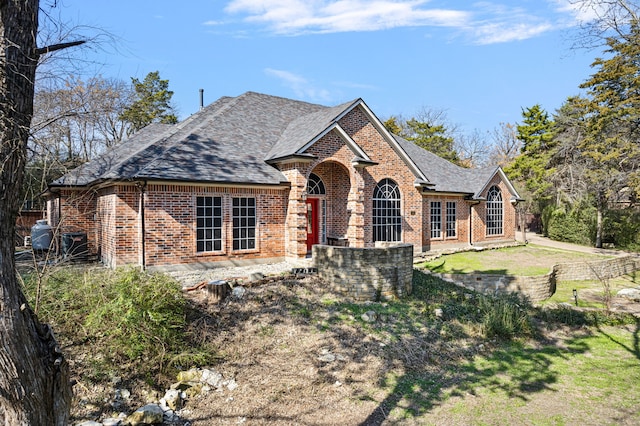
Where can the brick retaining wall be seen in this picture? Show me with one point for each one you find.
(542, 287)
(535, 289)
(609, 268)
(366, 273)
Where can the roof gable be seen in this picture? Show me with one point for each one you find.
(445, 176)
(304, 130)
(498, 171)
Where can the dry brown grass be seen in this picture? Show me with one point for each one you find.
(409, 367)
(271, 342)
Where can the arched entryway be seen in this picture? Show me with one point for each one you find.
(328, 187)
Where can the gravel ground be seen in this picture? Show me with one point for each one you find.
(192, 277)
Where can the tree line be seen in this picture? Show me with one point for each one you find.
(580, 167)
(79, 119)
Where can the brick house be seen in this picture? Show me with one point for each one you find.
(259, 177)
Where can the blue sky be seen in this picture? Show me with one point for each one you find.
(481, 62)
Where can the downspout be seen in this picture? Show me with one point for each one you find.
(59, 208)
(143, 255)
(470, 224)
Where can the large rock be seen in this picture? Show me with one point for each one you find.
(630, 293)
(150, 414)
(369, 316)
(212, 378)
(192, 375)
(173, 399)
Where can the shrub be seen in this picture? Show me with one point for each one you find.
(130, 318)
(567, 315)
(622, 227)
(504, 316)
(575, 226)
(140, 314)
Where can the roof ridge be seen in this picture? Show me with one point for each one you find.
(225, 100)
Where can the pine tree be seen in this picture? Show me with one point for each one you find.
(152, 104)
(613, 110)
(531, 167)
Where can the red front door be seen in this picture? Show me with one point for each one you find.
(312, 222)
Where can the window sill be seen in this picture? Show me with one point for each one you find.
(247, 251)
(210, 253)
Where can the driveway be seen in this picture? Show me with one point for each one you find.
(541, 240)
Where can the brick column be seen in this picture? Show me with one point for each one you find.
(355, 208)
(295, 230)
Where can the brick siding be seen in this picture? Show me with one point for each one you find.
(112, 217)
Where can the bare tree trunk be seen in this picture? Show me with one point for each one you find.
(523, 225)
(599, 225)
(34, 377)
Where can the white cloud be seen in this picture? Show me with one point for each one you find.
(302, 87)
(495, 23)
(322, 16)
(580, 12)
(212, 23)
(483, 22)
(500, 33)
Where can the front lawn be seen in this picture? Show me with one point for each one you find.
(530, 260)
(591, 293)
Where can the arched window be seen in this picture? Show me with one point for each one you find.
(387, 221)
(315, 186)
(494, 211)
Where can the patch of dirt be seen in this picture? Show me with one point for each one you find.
(293, 361)
(617, 303)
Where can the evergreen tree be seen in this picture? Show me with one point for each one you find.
(393, 126)
(613, 110)
(531, 167)
(428, 132)
(433, 137)
(152, 103)
(568, 164)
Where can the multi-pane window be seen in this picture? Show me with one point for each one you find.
(450, 219)
(208, 224)
(436, 219)
(494, 211)
(387, 221)
(244, 223)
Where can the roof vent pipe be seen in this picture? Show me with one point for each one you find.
(201, 98)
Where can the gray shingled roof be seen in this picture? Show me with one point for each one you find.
(444, 175)
(225, 142)
(230, 140)
(119, 160)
